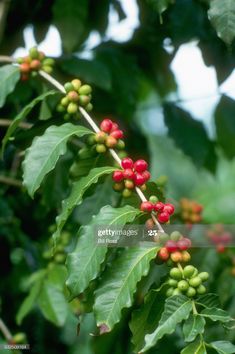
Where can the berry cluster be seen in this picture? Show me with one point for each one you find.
(191, 211)
(219, 237)
(59, 255)
(76, 95)
(109, 136)
(174, 247)
(186, 281)
(163, 211)
(34, 62)
(134, 174)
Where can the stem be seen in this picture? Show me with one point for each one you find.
(96, 129)
(6, 59)
(180, 267)
(5, 331)
(194, 308)
(10, 181)
(7, 122)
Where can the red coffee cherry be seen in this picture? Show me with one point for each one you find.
(163, 217)
(106, 125)
(158, 206)
(117, 176)
(163, 254)
(114, 127)
(127, 163)
(169, 208)
(111, 142)
(128, 173)
(117, 134)
(146, 206)
(25, 68)
(146, 175)
(139, 179)
(171, 246)
(184, 244)
(140, 165)
(35, 64)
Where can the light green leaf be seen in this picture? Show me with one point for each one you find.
(208, 300)
(119, 285)
(223, 347)
(22, 115)
(193, 326)
(216, 314)
(222, 16)
(177, 309)
(76, 195)
(197, 347)
(9, 75)
(44, 152)
(53, 304)
(84, 263)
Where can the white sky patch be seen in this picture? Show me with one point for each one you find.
(228, 86)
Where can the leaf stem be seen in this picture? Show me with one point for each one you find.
(5, 331)
(194, 308)
(10, 181)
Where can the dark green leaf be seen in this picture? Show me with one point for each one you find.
(216, 314)
(197, 347)
(9, 75)
(208, 300)
(223, 347)
(193, 326)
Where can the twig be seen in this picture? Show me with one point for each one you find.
(10, 181)
(6, 59)
(7, 122)
(5, 331)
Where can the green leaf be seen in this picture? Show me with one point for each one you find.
(216, 314)
(222, 16)
(193, 326)
(9, 75)
(76, 195)
(70, 17)
(223, 347)
(22, 115)
(91, 71)
(208, 300)
(29, 302)
(84, 263)
(44, 152)
(119, 285)
(144, 319)
(53, 304)
(177, 309)
(197, 347)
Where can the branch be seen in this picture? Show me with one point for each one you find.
(96, 129)
(5, 331)
(7, 122)
(7, 59)
(10, 181)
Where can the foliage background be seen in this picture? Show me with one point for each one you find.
(128, 78)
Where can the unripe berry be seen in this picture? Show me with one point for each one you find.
(140, 165)
(163, 254)
(149, 224)
(33, 52)
(76, 84)
(84, 100)
(48, 69)
(175, 273)
(100, 137)
(60, 108)
(195, 282)
(169, 208)
(153, 199)
(117, 176)
(41, 55)
(128, 173)
(176, 257)
(163, 238)
(176, 292)
(117, 134)
(126, 193)
(101, 148)
(169, 292)
(111, 142)
(146, 206)
(65, 101)
(204, 276)
(127, 163)
(72, 108)
(189, 271)
(118, 187)
(129, 184)
(91, 139)
(163, 217)
(185, 256)
(143, 187)
(68, 87)
(27, 59)
(48, 61)
(89, 107)
(183, 285)
(120, 144)
(191, 292)
(173, 282)
(201, 290)
(24, 68)
(146, 175)
(106, 125)
(171, 246)
(73, 96)
(85, 90)
(35, 64)
(220, 248)
(158, 206)
(139, 179)
(176, 236)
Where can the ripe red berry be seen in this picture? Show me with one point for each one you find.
(128, 174)
(127, 163)
(163, 217)
(117, 134)
(169, 208)
(171, 246)
(139, 179)
(183, 244)
(220, 248)
(158, 206)
(24, 68)
(146, 206)
(114, 127)
(146, 175)
(117, 176)
(106, 125)
(140, 165)
(163, 254)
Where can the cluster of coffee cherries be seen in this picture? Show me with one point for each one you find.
(59, 255)
(109, 137)
(187, 281)
(191, 211)
(133, 174)
(163, 211)
(174, 248)
(34, 62)
(219, 237)
(76, 95)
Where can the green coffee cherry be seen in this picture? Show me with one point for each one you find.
(191, 292)
(60, 108)
(175, 273)
(120, 144)
(126, 193)
(100, 137)
(67, 116)
(48, 69)
(89, 107)
(85, 153)
(60, 258)
(118, 187)
(19, 338)
(170, 292)
(201, 290)
(68, 87)
(183, 285)
(33, 52)
(176, 236)
(65, 238)
(163, 237)
(65, 101)
(204, 276)
(153, 199)
(101, 148)
(176, 292)
(76, 84)
(84, 100)
(188, 271)
(195, 282)
(173, 282)
(72, 108)
(48, 61)
(91, 139)
(85, 90)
